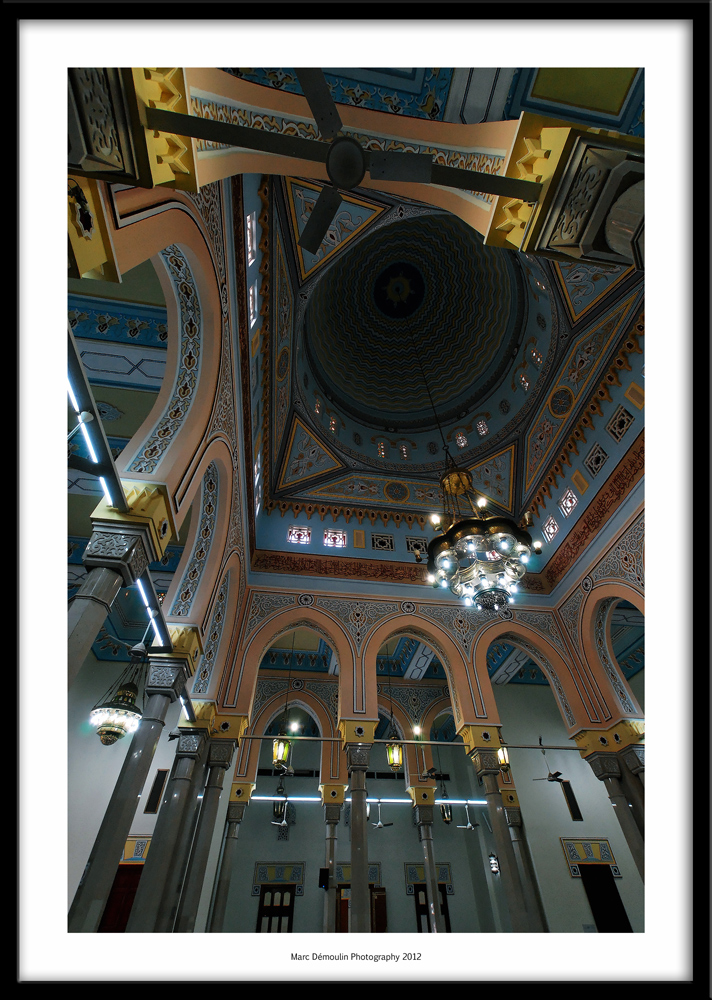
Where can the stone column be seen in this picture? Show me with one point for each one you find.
(332, 813)
(607, 769)
(219, 759)
(175, 881)
(487, 767)
(164, 684)
(357, 756)
(235, 815)
(535, 910)
(115, 558)
(632, 787)
(424, 820)
(147, 907)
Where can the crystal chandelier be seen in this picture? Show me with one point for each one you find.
(480, 558)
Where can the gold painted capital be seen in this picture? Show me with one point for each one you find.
(241, 791)
(148, 507)
(626, 733)
(171, 156)
(91, 251)
(510, 799)
(480, 737)
(422, 795)
(333, 794)
(231, 727)
(357, 730)
(187, 644)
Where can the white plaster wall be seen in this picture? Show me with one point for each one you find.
(527, 712)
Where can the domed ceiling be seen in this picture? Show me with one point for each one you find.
(418, 309)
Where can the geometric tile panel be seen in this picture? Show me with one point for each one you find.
(619, 423)
(595, 459)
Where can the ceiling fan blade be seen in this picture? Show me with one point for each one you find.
(475, 180)
(236, 135)
(393, 166)
(386, 824)
(556, 774)
(320, 219)
(316, 91)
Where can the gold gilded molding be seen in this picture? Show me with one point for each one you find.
(357, 730)
(241, 791)
(171, 157)
(627, 732)
(480, 737)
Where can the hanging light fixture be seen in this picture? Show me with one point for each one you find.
(503, 756)
(481, 559)
(394, 751)
(281, 746)
(117, 713)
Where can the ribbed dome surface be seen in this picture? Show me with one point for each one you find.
(421, 292)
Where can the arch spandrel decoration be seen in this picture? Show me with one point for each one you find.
(595, 635)
(190, 320)
(214, 633)
(190, 580)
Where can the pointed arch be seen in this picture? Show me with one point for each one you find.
(595, 632)
(332, 766)
(471, 700)
(576, 709)
(240, 683)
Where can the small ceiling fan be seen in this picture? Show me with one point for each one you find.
(470, 824)
(380, 824)
(552, 775)
(347, 162)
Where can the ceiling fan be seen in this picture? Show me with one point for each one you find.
(380, 824)
(551, 776)
(347, 162)
(470, 824)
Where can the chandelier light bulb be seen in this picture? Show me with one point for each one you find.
(482, 502)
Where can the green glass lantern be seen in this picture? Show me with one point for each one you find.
(394, 753)
(280, 751)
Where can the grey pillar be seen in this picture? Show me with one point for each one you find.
(357, 755)
(607, 769)
(235, 814)
(175, 879)
(535, 910)
(147, 904)
(115, 558)
(163, 686)
(487, 767)
(332, 812)
(424, 820)
(633, 790)
(219, 759)
(88, 610)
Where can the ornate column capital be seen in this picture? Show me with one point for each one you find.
(357, 756)
(604, 765)
(422, 795)
(236, 812)
(424, 815)
(485, 762)
(191, 743)
(357, 730)
(625, 733)
(220, 753)
(123, 550)
(187, 649)
(332, 812)
(513, 816)
(634, 758)
(165, 676)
